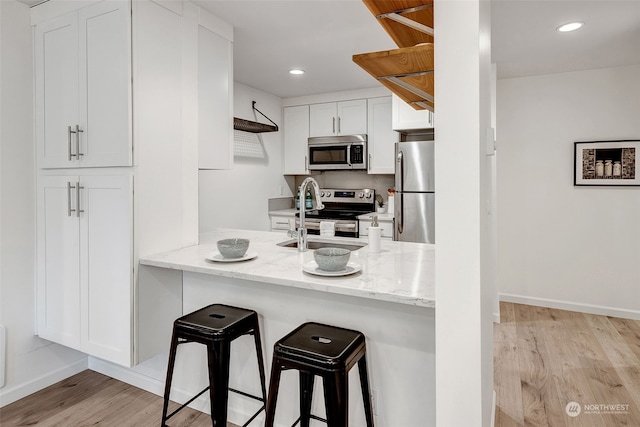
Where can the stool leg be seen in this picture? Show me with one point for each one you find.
(274, 383)
(167, 384)
(366, 394)
(306, 396)
(336, 397)
(256, 335)
(218, 355)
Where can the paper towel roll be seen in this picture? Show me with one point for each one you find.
(375, 236)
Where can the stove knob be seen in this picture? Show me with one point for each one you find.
(369, 195)
(322, 194)
(328, 193)
(361, 195)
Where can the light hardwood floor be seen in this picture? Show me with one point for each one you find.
(546, 358)
(92, 399)
(543, 359)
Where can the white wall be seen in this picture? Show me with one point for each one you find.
(464, 294)
(559, 245)
(31, 363)
(237, 198)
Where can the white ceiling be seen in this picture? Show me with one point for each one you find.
(320, 36)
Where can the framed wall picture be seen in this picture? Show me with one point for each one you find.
(607, 163)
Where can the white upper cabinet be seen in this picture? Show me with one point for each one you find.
(381, 137)
(406, 118)
(338, 118)
(296, 133)
(83, 91)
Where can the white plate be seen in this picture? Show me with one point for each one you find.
(311, 267)
(217, 257)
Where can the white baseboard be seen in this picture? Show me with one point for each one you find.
(12, 394)
(493, 409)
(572, 306)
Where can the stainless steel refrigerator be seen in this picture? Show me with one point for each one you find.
(414, 201)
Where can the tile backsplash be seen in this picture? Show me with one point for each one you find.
(350, 179)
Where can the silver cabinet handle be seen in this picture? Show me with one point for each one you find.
(78, 188)
(306, 163)
(369, 165)
(69, 187)
(400, 171)
(334, 125)
(338, 124)
(78, 132)
(69, 132)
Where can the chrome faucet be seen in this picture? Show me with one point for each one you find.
(302, 231)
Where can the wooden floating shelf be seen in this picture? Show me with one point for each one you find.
(419, 11)
(408, 71)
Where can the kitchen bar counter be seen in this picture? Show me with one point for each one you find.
(402, 273)
(391, 301)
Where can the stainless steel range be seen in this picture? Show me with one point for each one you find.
(342, 207)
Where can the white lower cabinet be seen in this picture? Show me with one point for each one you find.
(386, 228)
(85, 263)
(283, 223)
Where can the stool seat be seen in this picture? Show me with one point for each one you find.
(322, 346)
(216, 326)
(217, 322)
(326, 351)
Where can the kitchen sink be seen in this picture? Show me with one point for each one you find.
(317, 244)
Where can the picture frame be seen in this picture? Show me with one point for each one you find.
(606, 163)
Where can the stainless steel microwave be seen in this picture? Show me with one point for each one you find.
(348, 152)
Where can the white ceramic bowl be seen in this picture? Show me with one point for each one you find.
(332, 259)
(233, 248)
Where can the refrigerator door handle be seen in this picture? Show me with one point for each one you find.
(400, 160)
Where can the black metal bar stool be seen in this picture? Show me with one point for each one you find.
(329, 352)
(215, 326)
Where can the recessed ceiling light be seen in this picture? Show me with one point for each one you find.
(296, 71)
(571, 26)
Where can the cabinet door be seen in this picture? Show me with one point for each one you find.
(406, 118)
(382, 138)
(106, 267)
(323, 119)
(58, 280)
(296, 133)
(56, 89)
(105, 92)
(215, 100)
(352, 117)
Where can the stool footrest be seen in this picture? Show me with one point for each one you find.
(260, 399)
(310, 416)
(186, 403)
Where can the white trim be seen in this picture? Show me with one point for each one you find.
(493, 410)
(496, 317)
(152, 385)
(572, 306)
(10, 395)
(373, 92)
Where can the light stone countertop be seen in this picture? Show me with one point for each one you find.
(402, 273)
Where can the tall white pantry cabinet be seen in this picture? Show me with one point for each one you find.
(116, 131)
